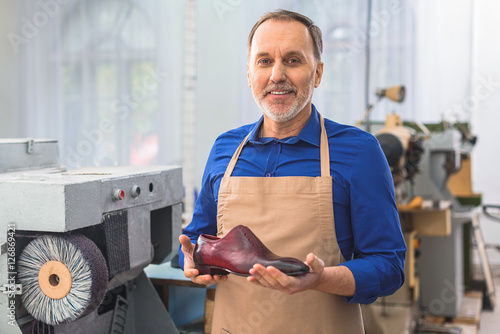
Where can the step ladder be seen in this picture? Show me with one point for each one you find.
(485, 210)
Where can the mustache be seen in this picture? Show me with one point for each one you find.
(279, 87)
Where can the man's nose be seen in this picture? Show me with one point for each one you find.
(278, 74)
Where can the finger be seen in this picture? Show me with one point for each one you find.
(278, 278)
(255, 277)
(316, 264)
(187, 249)
(258, 273)
(186, 243)
(270, 277)
(203, 280)
(220, 278)
(191, 272)
(208, 279)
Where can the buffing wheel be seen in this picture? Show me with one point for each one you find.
(63, 278)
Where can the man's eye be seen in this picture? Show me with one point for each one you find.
(264, 61)
(293, 61)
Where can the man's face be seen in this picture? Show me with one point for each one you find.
(282, 70)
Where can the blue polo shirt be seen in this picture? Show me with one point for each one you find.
(366, 218)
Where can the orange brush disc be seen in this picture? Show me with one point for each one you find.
(54, 279)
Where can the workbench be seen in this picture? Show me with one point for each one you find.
(184, 300)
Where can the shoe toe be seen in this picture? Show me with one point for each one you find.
(291, 266)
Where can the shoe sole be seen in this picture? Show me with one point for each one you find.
(215, 270)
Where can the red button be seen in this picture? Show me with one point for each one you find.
(118, 194)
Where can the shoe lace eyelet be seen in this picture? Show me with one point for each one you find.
(251, 242)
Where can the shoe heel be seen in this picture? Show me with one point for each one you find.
(211, 270)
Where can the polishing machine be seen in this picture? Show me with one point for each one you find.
(74, 243)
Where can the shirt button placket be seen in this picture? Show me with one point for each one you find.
(273, 159)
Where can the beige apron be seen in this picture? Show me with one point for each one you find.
(293, 216)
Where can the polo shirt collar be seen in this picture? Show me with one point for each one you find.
(309, 132)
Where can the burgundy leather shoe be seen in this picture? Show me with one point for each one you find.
(237, 252)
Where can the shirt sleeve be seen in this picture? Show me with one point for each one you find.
(205, 209)
(379, 247)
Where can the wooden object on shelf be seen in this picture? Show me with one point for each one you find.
(427, 222)
(460, 183)
(470, 311)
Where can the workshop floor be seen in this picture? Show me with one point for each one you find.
(490, 320)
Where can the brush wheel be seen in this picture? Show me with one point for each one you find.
(63, 277)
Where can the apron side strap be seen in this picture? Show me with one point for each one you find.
(325, 150)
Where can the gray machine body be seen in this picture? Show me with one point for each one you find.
(38, 196)
(441, 267)
(442, 151)
(27, 153)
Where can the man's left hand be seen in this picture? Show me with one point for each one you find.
(271, 277)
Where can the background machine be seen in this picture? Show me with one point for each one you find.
(438, 226)
(74, 243)
(442, 259)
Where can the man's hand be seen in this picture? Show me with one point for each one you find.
(271, 277)
(337, 280)
(189, 269)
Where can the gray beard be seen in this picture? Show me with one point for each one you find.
(300, 102)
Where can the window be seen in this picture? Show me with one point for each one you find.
(106, 59)
(104, 78)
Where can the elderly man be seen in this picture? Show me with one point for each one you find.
(309, 188)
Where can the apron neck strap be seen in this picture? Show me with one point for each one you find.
(324, 152)
(236, 155)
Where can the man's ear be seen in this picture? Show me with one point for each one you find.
(319, 74)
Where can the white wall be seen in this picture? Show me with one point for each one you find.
(442, 59)
(485, 96)
(8, 23)
(218, 76)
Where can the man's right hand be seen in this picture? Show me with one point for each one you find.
(189, 268)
